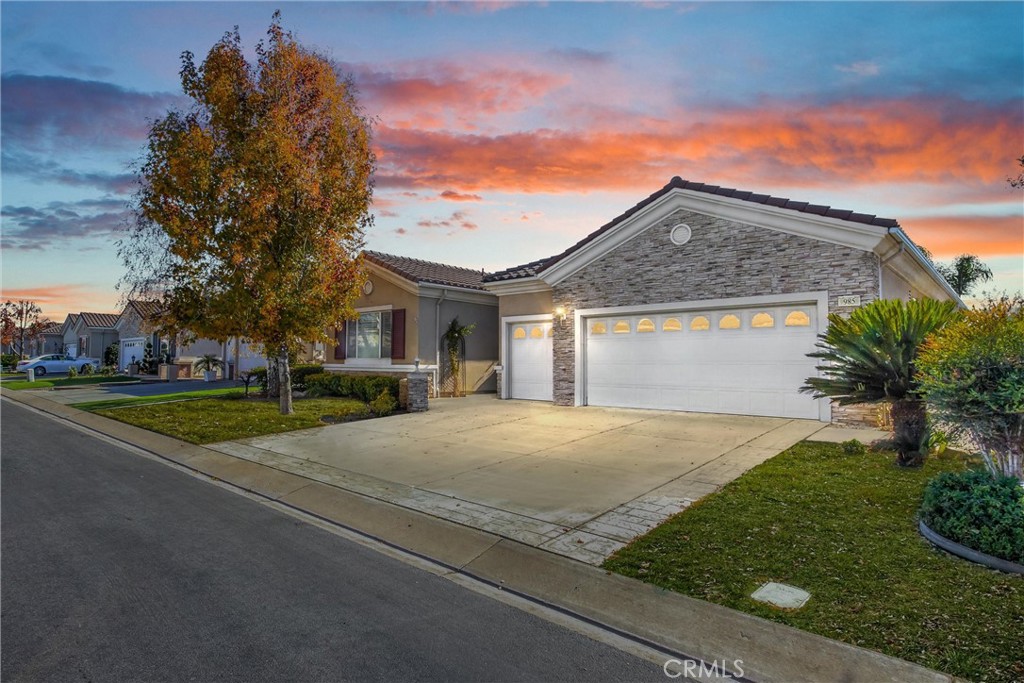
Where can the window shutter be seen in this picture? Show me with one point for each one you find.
(339, 342)
(398, 334)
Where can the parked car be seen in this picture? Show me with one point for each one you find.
(56, 363)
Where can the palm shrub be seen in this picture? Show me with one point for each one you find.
(870, 357)
(208, 363)
(971, 373)
(454, 340)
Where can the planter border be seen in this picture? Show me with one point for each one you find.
(966, 553)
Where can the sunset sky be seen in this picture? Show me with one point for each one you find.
(507, 131)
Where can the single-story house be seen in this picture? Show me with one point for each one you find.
(699, 298)
(70, 341)
(405, 307)
(49, 340)
(91, 333)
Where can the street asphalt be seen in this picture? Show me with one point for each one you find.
(116, 567)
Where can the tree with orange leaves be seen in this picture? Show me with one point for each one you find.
(252, 205)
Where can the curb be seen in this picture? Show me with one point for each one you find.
(669, 622)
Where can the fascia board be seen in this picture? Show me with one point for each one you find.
(914, 267)
(463, 294)
(526, 285)
(822, 228)
(393, 278)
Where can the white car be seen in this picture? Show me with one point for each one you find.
(55, 363)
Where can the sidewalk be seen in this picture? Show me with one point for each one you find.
(669, 621)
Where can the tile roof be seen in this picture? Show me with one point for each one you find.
(417, 270)
(536, 267)
(144, 309)
(99, 319)
(53, 328)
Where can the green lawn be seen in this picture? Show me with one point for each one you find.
(93, 406)
(210, 420)
(47, 381)
(843, 528)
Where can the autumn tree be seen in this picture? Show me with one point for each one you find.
(253, 202)
(20, 320)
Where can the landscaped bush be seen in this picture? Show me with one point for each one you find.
(259, 375)
(384, 404)
(87, 369)
(9, 360)
(301, 372)
(972, 376)
(364, 387)
(72, 372)
(979, 511)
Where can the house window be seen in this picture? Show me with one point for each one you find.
(672, 325)
(798, 319)
(369, 336)
(519, 333)
(762, 320)
(598, 328)
(729, 322)
(645, 325)
(699, 324)
(621, 327)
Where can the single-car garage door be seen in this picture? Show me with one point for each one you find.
(529, 361)
(745, 361)
(131, 348)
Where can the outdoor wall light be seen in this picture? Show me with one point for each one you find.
(416, 361)
(560, 314)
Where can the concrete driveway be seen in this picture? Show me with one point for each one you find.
(581, 482)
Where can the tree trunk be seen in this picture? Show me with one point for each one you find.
(273, 379)
(285, 378)
(910, 431)
(238, 367)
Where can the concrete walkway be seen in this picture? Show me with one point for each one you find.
(580, 482)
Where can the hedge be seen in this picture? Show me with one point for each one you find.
(299, 375)
(975, 509)
(364, 387)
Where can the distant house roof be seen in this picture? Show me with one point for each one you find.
(53, 328)
(99, 319)
(416, 270)
(535, 267)
(144, 309)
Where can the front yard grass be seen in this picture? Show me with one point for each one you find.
(844, 528)
(210, 420)
(93, 406)
(46, 382)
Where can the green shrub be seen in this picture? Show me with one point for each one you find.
(854, 447)
(972, 376)
(366, 388)
(87, 369)
(111, 353)
(9, 360)
(108, 371)
(259, 375)
(979, 511)
(384, 404)
(72, 372)
(301, 372)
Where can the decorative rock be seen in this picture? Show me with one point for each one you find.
(781, 595)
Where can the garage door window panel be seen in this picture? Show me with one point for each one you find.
(729, 322)
(672, 325)
(621, 327)
(762, 320)
(798, 319)
(700, 323)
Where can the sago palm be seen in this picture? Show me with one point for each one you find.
(869, 358)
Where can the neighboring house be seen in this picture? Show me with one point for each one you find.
(134, 333)
(406, 306)
(67, 329)
(49, 340)
(94, 332)
(699, 298)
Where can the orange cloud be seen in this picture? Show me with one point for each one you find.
(59, 300)
(880, 142)
(949, 236)
(453, 196)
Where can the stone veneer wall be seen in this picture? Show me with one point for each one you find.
(723, 259)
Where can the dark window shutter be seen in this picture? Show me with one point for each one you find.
(339, 342)
(398, 334)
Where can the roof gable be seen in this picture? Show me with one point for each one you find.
(718, 201)
(101, 320)
(419, 271)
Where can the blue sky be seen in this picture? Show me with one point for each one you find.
(507, 131)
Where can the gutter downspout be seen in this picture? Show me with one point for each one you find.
(437, 342)
(908, 244)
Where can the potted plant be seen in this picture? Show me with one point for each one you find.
(209, 364)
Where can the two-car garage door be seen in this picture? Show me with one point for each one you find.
(747, 361)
